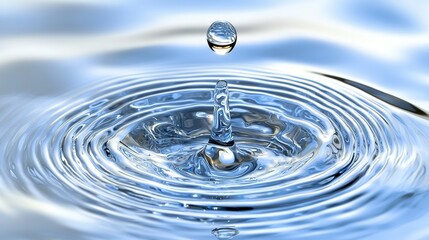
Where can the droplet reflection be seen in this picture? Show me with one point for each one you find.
(225, 233)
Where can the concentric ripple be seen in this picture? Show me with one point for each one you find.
(332, 160)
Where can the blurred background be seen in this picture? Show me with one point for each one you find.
(52, 48)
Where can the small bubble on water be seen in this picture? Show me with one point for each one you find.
(225, 233)
(221, 37)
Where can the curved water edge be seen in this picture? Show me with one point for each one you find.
(388, 98)
(332, 159)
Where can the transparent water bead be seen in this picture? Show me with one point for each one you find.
(221, 37)
(225, 233)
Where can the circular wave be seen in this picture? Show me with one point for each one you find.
(331, 159)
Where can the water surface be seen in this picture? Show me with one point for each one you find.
(103, 104)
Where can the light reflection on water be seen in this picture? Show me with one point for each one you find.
(53, 50)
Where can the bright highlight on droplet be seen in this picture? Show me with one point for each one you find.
(221, 37)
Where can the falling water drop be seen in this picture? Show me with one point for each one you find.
(225, 233)
(221, 37)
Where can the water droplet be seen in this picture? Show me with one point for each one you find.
(225, 233)
(221, 37)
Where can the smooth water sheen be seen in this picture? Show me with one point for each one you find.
(107, 111)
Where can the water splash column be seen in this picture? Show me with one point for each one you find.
(221, 128)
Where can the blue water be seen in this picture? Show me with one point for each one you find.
(107, 105)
